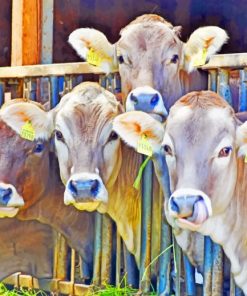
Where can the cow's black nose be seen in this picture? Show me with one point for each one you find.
(84, 188)
(184, 205)
(5, 195)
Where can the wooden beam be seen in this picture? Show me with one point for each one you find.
(26, 32)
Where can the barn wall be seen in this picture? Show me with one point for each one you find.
(5, 33)
(110, 16)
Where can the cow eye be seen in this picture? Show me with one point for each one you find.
(39, 147)
(113, 136)
(59, 135)
(168, 150)
(224, 152)
(120, 59)
(174, 59)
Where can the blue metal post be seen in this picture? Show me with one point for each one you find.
(243, 90)
(217, 276)
(223, 85)
(97, 250)
(2, 86)
(208, 262)
(146, 206)
(131, 269)
(54, 91)
(189, 277)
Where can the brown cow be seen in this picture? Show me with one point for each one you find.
(150, 53)
(29, 172)
(26, 247)
(202, 142)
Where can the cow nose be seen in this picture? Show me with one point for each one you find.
(148, 100)
(183, 206)
(84, 188)
(5, 195)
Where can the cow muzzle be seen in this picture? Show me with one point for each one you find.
(85, 191)
(10, 201)
(148, 100)
(190, 207)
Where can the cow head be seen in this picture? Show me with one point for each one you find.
(88, 150)
(19, 181)
(201, 141)
(150, 53)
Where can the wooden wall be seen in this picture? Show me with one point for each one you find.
(5, 32)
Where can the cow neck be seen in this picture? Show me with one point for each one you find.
(125, 201)
(228, 229)
(50, 209)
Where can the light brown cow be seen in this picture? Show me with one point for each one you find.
(150, 53)
(26, 247)
(97, 169)
(29, 173)
(202, 142)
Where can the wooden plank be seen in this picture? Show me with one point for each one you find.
(47, 32)
(48, 70)
(234, 61)
(16, 35)
(26, 32)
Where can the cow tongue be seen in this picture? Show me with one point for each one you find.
(200, 213)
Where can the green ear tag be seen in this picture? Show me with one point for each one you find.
(200, 58)
(144, 147)
(27, 131)
(245, 159)
(137, 182)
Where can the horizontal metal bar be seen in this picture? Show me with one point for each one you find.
(234, 61)
(48, 70)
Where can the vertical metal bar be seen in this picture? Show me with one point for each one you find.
(146, 227)
(54, 91)
(177, 265)
(130, 268)
(102, 81)
(118, 260)
(106, 263)
(217, 276)
(212, 80)
(232, 286)
(61, 257)
(189, 277)
(208, 262)
(243, 90)
(97, 249)
(223, 85)
(2, 89)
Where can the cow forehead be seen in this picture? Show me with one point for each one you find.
(198, 126)
(152, 35)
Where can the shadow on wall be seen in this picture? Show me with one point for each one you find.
(110, 16)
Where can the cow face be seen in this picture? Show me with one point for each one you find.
(200, 146)
(88, 150)
(23, 163)
(150, 53)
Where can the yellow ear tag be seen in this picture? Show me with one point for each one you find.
(27, 131)
(96, 58)
(144, 147)
(245, 159)
(201, 57)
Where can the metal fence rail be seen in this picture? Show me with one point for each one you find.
(60, 79)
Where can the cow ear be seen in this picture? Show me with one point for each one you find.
(93, 46)
(202, 44)
(130, 126)
(242, 139)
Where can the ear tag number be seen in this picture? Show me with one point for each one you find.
(27, 131)
(96, 58)
(200, 58)
(144, 147)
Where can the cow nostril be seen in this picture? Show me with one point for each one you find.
(134, 99)
(95, 187)
(72, 187)
(5, 195)
(155, 99)
(174, 205)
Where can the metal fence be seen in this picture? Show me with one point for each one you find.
(112, 263)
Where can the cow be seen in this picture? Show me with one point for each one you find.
(205, 146)
(150, 54)
(18, 254)
(30, 186)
